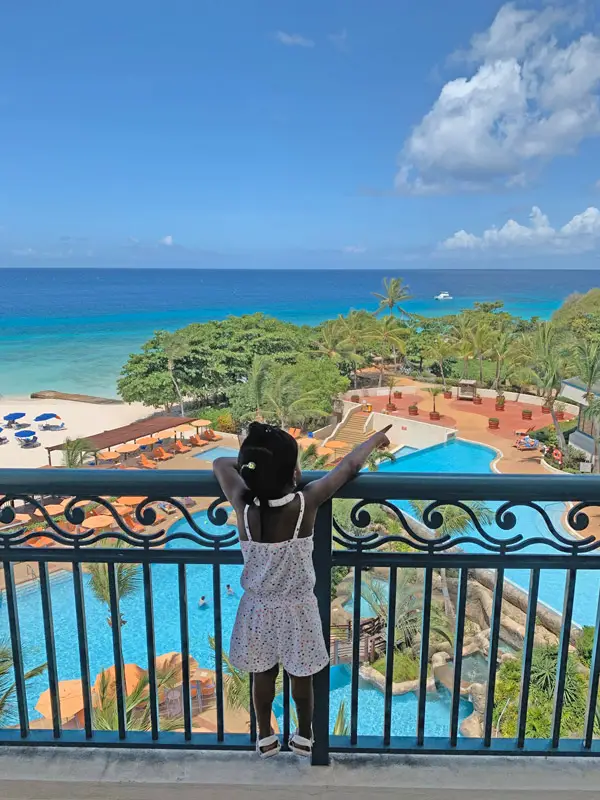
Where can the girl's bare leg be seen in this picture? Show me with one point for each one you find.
(302, 692)
(263, 696)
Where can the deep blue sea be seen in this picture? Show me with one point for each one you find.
(72, 329)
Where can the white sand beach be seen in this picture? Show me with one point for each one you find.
(81, 419)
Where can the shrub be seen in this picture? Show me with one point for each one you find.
(406, 666)
(547, 435)
(225, 422)
(337, 576)
(585, 643)
(494, 420)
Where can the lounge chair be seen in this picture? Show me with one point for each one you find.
(147, 463)
(522, 444)
(196, 441)
(161, 454)
(210, 436)
(28, 443)
(131, 523)
(3, 440)
(180, 447)
(167, 508)
(295, 432)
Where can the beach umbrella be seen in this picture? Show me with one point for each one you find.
(185, 429)
(98, 521)
(70, 695)
(14, 415)
(173, 661)
(19, 518)
(130, 501)
(108, 456)
(306, 441)
(147, 440)
(25, 434)
(45, 417)
(52, 509)
(130, 447)
(201, 423)
(324, 451)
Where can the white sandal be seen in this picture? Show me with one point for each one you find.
(268, 742)
(301, 746)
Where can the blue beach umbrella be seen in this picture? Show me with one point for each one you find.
(25, 434)
(14, 415)
(44, 417)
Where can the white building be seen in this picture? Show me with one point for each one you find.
(574, 390)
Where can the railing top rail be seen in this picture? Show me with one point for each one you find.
(201, 483)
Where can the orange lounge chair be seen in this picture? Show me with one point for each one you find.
(179, 447)
(133, 524)
(197, 441)
(210, 436)
(295, 432)
(147, 463)
(162, 454)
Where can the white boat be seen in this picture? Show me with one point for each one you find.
(443, 296)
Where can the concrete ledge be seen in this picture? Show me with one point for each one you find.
(77, 774)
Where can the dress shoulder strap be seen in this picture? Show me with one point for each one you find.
(246, 524)
(300, 515)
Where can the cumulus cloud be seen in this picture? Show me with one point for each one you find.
(580, 234)
(166, 240)
(293, 39)
(526, 98)
(354, 249)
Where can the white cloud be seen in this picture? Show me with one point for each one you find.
(354, 249)
(580, 234)
(166, 240)
(525, 100)
(293, 39)
(339, 40)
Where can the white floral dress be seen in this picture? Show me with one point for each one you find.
(278, 619)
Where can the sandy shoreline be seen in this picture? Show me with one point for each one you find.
(81, 419)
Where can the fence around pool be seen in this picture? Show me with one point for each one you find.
(209, 540)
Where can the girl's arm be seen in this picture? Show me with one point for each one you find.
(233, 486)
(318, 492)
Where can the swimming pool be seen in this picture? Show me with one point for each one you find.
(217, 452)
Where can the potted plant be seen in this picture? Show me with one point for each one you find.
(560, 411)
(434, 391)
(477, 400)
(448, 393)
(546, 408)
(494, 423)
(526, 413)
(354, 398)
(500, 402)
(413, 410)
(397, 394)
(390, 407)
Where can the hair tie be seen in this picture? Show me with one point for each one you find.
(249, 465)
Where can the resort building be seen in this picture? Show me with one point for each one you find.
(583, 437)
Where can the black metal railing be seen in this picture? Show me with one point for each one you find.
(479, 562)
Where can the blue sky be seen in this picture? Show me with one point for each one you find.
(320, 133)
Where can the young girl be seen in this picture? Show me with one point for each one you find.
(278, 618)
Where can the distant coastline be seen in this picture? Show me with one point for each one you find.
(71, 329)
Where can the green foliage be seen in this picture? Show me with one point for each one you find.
(337, 576)
(579, 315)
(585, 644)
(128, 577)
(547, 435)
(137, 705)
(8, 689)
(406, 666)
(310, 459)
(76, 452)
(225, 422)
(394, 294)
(341, 726)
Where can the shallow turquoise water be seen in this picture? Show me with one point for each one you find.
(217, 452)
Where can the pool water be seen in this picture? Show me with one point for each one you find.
(217, 452)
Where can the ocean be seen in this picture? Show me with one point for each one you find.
(72, 329)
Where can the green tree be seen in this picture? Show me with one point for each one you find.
(76, 452)
(8, 689)
(587, 364)
(481, 337)
(462, 340)
(236, 686)
(592, 412)
(137, 705)
(175, 347)
(256, 384)
(440, 351)
(341, 726)
(287, 404)
(331, 341)
(128, 578)
(355, 328)
(434, 391)
(394, 294)
(388, 338)
(377, 457)
(501, 343)
(309, 458)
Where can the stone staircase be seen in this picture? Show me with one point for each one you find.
(352, 431)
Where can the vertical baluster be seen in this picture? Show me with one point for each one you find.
(84, 659)
(389, 660)
(286, 707)
(17, 653)
(592, 700)
(50, 648)
(459, 637)
(563, 655)
(151, 648)
(115, 617)
(534, 586)
(252, 712)
(424, 661)
(355, 654)
(185, 652)
(322, 564)
(218, 649)
(493, 657)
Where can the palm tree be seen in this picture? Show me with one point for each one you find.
(341, 726)
(355, 329)
(481, 338)
(175, 347)
(389, 339)
(236, 686)
(128, 578)
(258, 376)
(8, 689)
(286, 402)
(501, 348)
(137, 705)
(373, 462)
(394, 293)
(587, 362)
(308, 458)
(462, 340)
(456, 522)
(439, 351)
(331, 341)
(592, 412)
(434, 391)
(76, 452)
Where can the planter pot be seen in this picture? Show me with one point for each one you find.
(413, 411)
(494, 424)
(434, 415)
(397, 395)
(527, 413)
(390, 407)
(448, 395)
(354, 398)
(500, 407)
(477, 401)
(560, 415)
(545, 409)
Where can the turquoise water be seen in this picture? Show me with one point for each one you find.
(217, 452)
(467, 457)
(84, 323)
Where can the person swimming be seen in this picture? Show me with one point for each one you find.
(229, 591)
(202, 602)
